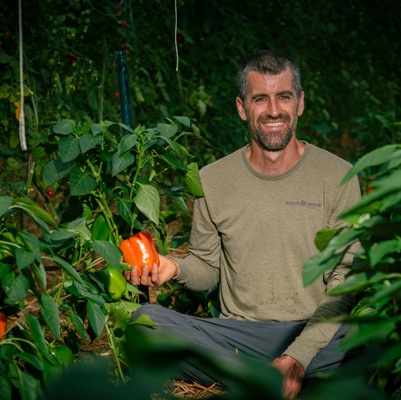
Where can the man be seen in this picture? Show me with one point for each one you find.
(253, 230)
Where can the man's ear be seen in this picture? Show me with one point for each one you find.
(301, 104)
(241, 108)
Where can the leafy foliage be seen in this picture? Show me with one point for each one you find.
(375, 274)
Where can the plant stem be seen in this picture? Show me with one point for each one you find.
(115, 353)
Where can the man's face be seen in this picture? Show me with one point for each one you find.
(271, 109)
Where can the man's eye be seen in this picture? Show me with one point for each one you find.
(260, 99)
(285, 97)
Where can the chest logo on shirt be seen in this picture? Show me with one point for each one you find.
(302, 203)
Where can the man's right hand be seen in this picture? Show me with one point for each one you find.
(167, 269)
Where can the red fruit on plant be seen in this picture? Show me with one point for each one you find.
(50, 192)
(116, 94)
(123, 23)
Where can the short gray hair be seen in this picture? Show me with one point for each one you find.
(267, 62)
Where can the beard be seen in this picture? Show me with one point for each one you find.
(272, 141)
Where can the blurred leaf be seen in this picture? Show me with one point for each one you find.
(365, 333)
(379, 156)
(355, 283)
(379, 250)
(64, 127)
(5, 203)
(324, 236)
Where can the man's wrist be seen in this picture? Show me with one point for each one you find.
(177, 267)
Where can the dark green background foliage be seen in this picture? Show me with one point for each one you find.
(349, 54)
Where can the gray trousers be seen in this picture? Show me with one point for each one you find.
(226, 337)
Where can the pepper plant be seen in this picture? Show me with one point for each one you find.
(375, 276)
(113, 181)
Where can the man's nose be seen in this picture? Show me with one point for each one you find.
(273, 108)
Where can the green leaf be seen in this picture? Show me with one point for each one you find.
(37, 213)
(78, 324)
(108, 251)
(64, 127)
(174, 162)
(81, 183)
(392, 290)
(40, 275)
(127, 142)
(379, 250)
(5, 203)
(385, 187)
(56, 170)
(29, 386)
(318, 265)
(148, 202)
(33, 243)
(96, 317)
(120, 163)
(376, 157)
(122, 311)
(368, 332)
(324, 236)
(37, 333)
(192, 180)
(68, 268)
(184, 120)
(88, 142)
(69, 148)
(24, 258)
(96, 129)
(124, 208)
(78, 227)
(6, 388)
(30, 359)
(18, 290)
(167, 130)
(355, 283)
(51, 314)
(145, 320)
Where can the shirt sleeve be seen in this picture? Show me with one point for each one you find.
(199, 270)
(325, 322)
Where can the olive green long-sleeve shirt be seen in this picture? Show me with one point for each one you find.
(252, 234)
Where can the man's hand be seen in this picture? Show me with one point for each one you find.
(293, 373)
(167, 269)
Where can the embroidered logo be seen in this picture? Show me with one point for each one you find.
(303, 203)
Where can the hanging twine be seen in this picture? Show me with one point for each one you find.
(175, 32)
(22, 135)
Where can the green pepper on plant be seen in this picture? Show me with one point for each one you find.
(113, 281)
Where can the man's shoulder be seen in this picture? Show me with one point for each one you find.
(326, 159)
(223, 164)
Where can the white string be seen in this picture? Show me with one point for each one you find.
(22, 137)
(175, 32)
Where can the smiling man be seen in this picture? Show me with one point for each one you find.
(252, 232)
